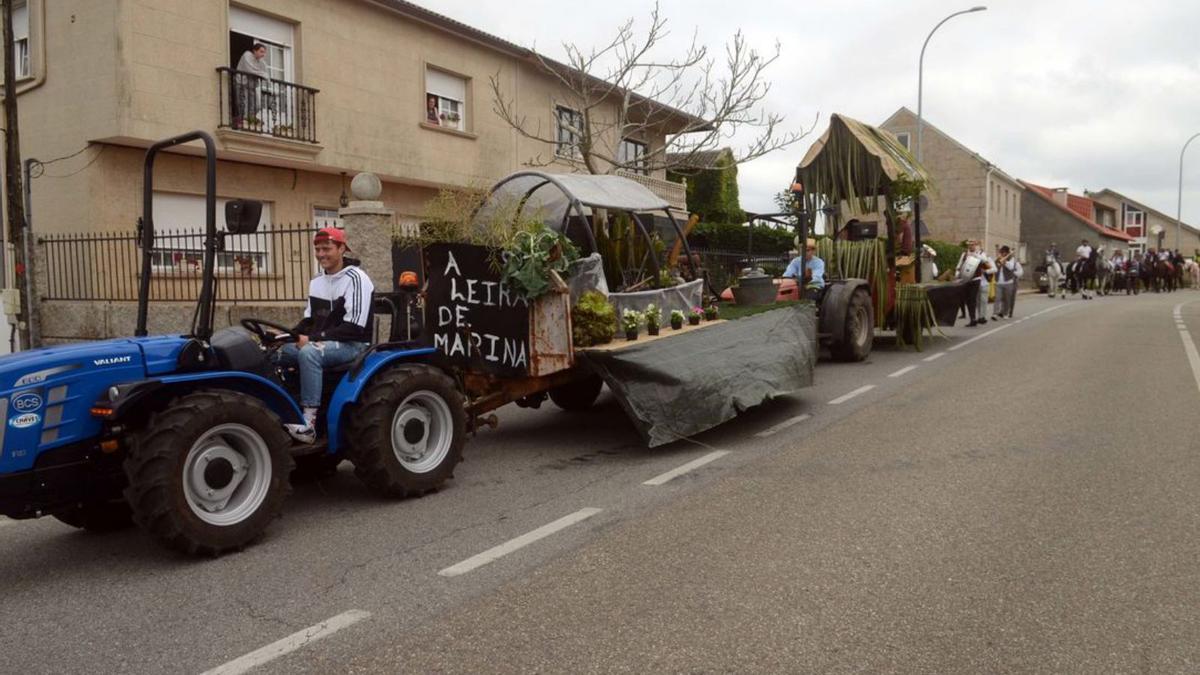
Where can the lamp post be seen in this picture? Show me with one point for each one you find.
(1179, 205)
(921, 72)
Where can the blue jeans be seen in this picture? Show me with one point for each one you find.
(313, 359)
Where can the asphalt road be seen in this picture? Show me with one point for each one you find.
(1019, 497)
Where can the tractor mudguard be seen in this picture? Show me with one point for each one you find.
(832, 318)
(352, 384)
(267, 391)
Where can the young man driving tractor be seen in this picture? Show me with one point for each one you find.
(336, 324)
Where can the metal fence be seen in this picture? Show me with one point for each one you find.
(274, 263)
(725, 266)
(266, 106)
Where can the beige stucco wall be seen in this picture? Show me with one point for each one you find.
(1189, 239)
(959, 207)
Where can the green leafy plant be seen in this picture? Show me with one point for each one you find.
(593, 320)
(905, 189)
(666, 279)
(652, 316)
(694, 315)
(711, 313)
(531, 257)
(676, 319)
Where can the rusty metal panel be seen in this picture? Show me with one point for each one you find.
(550, 334)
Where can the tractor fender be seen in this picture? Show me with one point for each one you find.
(352, 384)
(832, 318)
(271, 394)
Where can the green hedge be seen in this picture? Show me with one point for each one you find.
(733, 237)
(947, 253)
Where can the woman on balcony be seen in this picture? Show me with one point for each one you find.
(249, 88)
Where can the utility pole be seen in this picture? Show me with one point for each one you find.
(12, 175)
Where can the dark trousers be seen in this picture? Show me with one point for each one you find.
(970, 297)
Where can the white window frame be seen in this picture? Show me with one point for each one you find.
(451, 91)
(191, 246)
(568, 140)
(279, 37)
(637, 162)
(904, 140)
(324, 216)
(20, 47)
(1135, 218)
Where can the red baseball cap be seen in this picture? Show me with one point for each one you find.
(332, 234)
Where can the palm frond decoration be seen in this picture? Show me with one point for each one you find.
(914, 315)
(860, 260)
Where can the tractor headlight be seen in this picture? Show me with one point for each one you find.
(113, 393)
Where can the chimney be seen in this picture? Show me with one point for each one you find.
(1060, 195)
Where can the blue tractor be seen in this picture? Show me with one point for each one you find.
(184, 435)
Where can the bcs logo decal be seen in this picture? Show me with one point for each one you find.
(27, 402)
(24, 421)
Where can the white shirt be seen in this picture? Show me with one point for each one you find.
(1084, 251)
(1014, 271)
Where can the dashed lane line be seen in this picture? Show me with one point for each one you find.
(1189, 346)
(290, 643)
(903, 371)
(857, 392)
(690, 466)
(782, 425)
(497, 552)
(977, 338)
(935, 357)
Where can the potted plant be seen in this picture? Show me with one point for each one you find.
(694, 316)
(630, 320)
(710, 312)
(676, 319)
(653, 317)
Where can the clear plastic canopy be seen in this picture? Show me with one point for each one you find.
(552, 198)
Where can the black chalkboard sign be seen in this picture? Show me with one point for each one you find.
(473, 319)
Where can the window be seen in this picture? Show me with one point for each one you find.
(445, 99)
(179, 239)
(633, 155)
(20, 52)
(1134, 218)
(326, 217)
(903, 138)
(570, 132)
(247, 28)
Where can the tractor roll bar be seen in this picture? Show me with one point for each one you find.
(203, 327)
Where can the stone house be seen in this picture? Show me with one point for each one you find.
(1055, 216)
(971, 198)
(380, 86)
(1148, 226)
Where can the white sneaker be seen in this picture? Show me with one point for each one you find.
(303, 433)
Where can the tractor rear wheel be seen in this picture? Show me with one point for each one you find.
(98, 517)
(209, 472)
(408, 432)
(577, 395)
(859, 333)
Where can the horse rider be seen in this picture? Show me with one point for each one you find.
(1118, 266)
(1083, 251)
(1132, 273)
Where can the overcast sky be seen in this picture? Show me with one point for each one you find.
(1062, 93)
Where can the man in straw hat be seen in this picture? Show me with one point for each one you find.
(808, 270)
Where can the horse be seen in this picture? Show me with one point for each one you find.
(1054, 274)
(1104, 271)
(1191, 272)
(1164, 276)
(1079, 274)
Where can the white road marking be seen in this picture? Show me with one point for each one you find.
(977, 338)
(857, 392)
(290, 643)
(497, 552)
(903, 371)
(1193, 356)
(935, 357)
(690, 466)
(782, 425)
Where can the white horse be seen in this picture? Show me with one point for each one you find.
(1054, 274)
(1104, 273)
(1191, 271)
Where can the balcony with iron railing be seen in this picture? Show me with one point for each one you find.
(272, 110)
(675, 194)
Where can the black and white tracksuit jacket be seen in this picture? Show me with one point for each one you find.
(339, 307)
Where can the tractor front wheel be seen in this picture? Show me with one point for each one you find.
(408, 431)
(209, 472)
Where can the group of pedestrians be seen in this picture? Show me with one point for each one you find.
(981, 272)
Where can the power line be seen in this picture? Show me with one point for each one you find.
(72, 173)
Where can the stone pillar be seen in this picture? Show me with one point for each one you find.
(369, 226)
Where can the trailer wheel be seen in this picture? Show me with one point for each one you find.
(408, 432)
(209, 472)
(859, 332)
(577, 395)
(98, 517)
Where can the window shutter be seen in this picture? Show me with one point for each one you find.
(259, 26)
(20, 19)
(445, 85)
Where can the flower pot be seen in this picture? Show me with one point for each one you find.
(676, 325)
(631, 334)
(651, 330)
(693, 321)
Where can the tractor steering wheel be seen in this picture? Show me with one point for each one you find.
(256, 327)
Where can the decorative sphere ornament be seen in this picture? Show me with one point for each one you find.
(366, 187)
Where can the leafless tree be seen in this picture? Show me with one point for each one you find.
(622, 90)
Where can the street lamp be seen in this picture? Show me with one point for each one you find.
(1179, 205)
(921, 72)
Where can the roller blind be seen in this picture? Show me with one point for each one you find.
(259, 26)
(20, 19)
(445, 85)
